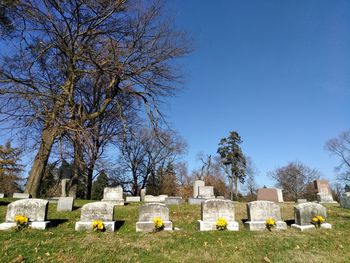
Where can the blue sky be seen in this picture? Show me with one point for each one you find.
(275, 71)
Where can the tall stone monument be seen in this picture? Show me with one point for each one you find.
(324, 193)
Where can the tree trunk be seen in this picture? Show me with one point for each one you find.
(90, 172)
(231, 189)
(236, 188)
(38, 169)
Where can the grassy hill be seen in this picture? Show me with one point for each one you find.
(61, 243)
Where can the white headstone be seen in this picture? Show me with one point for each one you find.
(303, 214)
(96, 211)
(34, 209)
(206, 192)
(65, 204)
(214, 209)
(259, 211)
(197, 184)
(148, 212)
(133, 199)
(21, 195)
(113, 195)
(2, 195)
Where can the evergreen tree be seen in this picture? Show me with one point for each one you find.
(168, 184)
(233, 160)
(50, 184)
(153, 183)
(99, 185)
(10, 169)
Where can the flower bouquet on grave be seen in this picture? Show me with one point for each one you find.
(158, 224)
(21, 222)
(221, 224)
(98, 226)
(317, 221)
(270, 223)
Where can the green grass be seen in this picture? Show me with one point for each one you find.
(62, 244)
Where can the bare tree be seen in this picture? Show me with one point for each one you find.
(294, 179)
(250, 184)
(65, 49)
(145, 154)
(340, 147)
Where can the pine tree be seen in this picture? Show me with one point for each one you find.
(99, 185)
(10, 169)
(168, 184)
(233, 160)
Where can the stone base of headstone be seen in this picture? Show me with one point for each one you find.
(21, 195)
(220, 197)
(153, 199)
(87, 226)
(2, 195)
(34, 225)
(65, 204)
(206, 197)
(133, 199)
(195, 201)
(149, 226)
(311, 227)
(261, 225)
(325, 198)
(114, 202)
(301, 201)
(209, 226)
(173, 200)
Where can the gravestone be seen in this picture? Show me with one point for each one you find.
(259, 211)
(303, 214)
(96, 211)
(173, 200)
(345, 200)
(154, 199)
(143, 194)
(206, 192)
(212, 210)
(162, 198)
(133, 199)
(300, 201)
(196, 185)
(64, 183)
(148, 212)
(270, 194)
(65, 204)
(113, 195)
(220, 197)
(195, 201)
(324, 193)
(2, 195)
(34, 209)
(21, 195)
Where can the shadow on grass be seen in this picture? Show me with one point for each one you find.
(289, 222)
(57, 222)
(119, 224)
(4, 203)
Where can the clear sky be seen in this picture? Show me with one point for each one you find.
(278, 72)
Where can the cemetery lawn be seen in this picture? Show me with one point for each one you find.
(61, 243)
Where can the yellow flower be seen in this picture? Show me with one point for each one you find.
(98, 225)
(158, 224)
(20, 219)
(221, 224)
(318, 220)
(270, 223)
